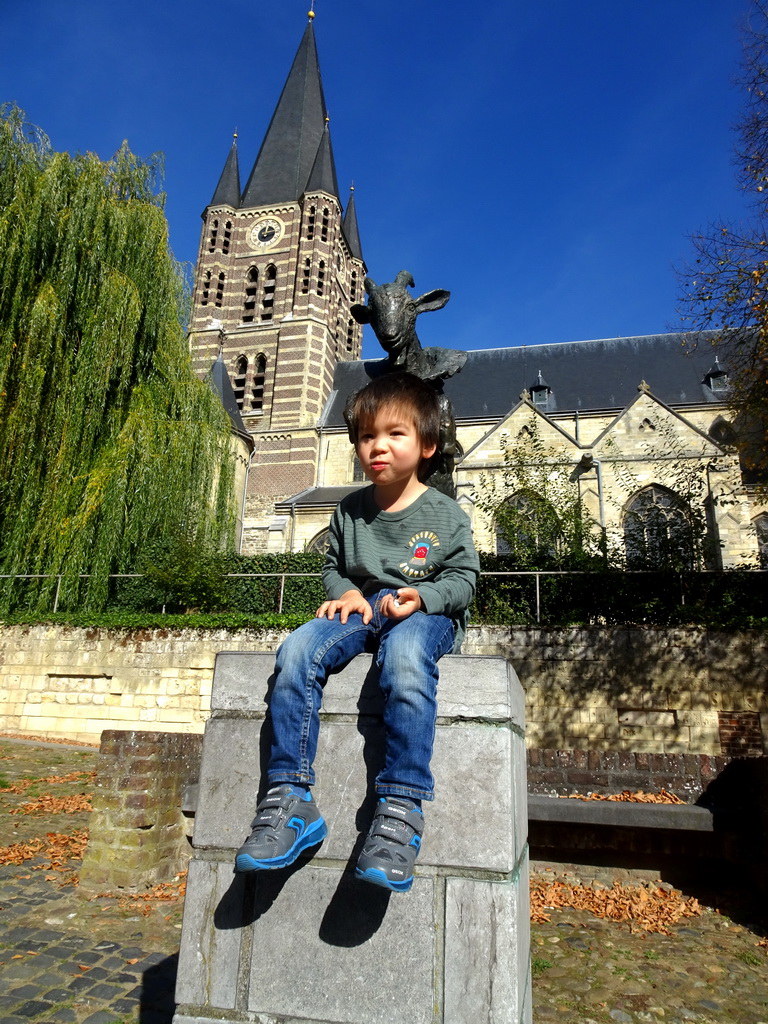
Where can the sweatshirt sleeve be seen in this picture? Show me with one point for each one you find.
(334, 576)
(453, 588)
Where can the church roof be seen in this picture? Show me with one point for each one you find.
(350, 228)
(222, 385)
(319, 496)
(290, 146)
(228, 189)
(582, 375)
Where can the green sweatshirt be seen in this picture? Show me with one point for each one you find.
(427, 545)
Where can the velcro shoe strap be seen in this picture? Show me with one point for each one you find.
(273, 809)
(272, 816)
(413, 819)
(395, 831)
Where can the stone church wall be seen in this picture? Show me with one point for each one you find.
(674, 691)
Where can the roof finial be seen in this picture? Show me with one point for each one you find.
(311, 11)
(234, 135)
(352, 187)
(327, 117)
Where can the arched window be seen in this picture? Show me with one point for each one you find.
(214, 235)
(527, 526)
(319, 543)
(227, 237)
(311, 223)
(324, 228)
(761, 529)
(206, 290)
(658, 533)
(251, 287)
(268, 298)
(321, 277)
(350, 335)
(219, 290)
(257, 391)
(241, 372)
(353, 286)
(305, 276)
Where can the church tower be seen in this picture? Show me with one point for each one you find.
(278, 268)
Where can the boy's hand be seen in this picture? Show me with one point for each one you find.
(349, 602)
(404, 604)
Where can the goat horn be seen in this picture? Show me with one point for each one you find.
(405, 277)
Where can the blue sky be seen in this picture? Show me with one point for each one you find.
(545, 162)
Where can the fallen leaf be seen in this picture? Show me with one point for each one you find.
(627, 796)
(23, 786)
(652, 909)
(48, 804)
(133, 960)
(84, 967)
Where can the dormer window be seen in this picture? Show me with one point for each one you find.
(540, 392)
(716, 378)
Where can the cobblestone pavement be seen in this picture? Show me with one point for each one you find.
(591, 971)
(65, 959)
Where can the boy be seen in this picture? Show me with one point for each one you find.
(400, 573)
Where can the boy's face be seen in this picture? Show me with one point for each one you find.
(389, 447)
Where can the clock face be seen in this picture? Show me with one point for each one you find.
(266, 232)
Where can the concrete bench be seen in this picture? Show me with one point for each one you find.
(310, 943)
(619, 814)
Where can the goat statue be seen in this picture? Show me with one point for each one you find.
(392, 312)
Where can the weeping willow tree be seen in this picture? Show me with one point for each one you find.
(107, 438)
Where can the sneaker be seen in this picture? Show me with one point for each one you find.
(284, 826)
(392, 844)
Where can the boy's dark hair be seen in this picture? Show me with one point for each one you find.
(404, 392)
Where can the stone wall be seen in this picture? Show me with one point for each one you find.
(641, 690)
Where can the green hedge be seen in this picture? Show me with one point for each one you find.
(732, 598)
(232, 621)
(207, 587)
(199, 594)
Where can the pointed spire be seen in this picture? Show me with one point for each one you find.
(228, 189)
(349, 226)
(322, 177)
(222, 385)
(291, 144)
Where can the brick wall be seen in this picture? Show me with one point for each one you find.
(563, 772)
(138, 834)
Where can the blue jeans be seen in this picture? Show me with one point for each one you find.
(406, 654)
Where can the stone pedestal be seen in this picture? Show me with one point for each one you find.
(310, 943)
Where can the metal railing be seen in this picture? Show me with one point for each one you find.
(283, 576)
